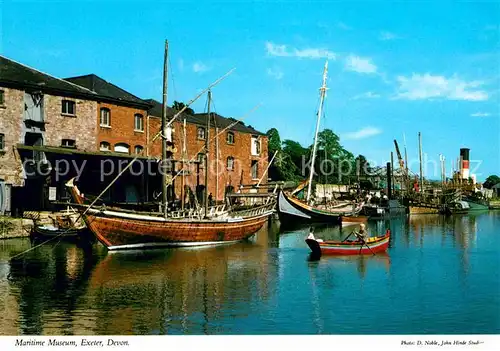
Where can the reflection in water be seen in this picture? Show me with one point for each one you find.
(437, 277)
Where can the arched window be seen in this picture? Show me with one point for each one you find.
(104, 146)
(105, 117)
(230, 163)
(122, 147)
(230, 138)
(138, 149)
(138, 122)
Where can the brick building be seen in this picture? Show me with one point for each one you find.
(238, 155)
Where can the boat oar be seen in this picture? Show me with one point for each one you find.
(363, 243)
(347, 237)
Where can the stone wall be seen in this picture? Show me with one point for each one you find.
(11, 116)
(80, 127)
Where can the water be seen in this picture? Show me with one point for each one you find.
(440, 275)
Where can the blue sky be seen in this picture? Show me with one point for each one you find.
(394, 68)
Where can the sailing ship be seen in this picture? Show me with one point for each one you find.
(117, 228)
(291, 209)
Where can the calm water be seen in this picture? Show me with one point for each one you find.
(440, 275)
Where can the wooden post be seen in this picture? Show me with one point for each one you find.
(207, 152)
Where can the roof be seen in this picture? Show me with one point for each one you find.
(201, 119)
(15, 74)
(107, 90)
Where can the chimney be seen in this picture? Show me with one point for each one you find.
(464, 163)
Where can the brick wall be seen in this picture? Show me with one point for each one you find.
(240, 151)
(80, 127)
(122, 127)
(11, 116)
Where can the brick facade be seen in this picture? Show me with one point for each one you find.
(240, 151)
(122, 127)
(11, 116)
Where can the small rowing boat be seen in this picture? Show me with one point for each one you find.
(370, 246)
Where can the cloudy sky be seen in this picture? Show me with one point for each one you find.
(395, 69)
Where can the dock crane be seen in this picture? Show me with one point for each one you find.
(402, 164)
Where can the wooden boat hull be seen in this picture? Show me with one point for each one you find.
(377, 245)
(118, 230)
(416, 210)
(354, 219)
(63, 233)
(291, 210)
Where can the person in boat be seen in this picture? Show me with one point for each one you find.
(311, 233)
(362, 234)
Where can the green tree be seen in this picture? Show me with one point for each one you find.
(177, 106)
(491, 181)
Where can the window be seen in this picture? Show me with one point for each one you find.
(68, 143)
(2, 97)
(122, 147)
(138, 149)
(230, 138)
(2, 142)
(201, 159)
(230, 163)
(105, 146)
(201, 133)
(68, 107)
(105, 117)
(255, 147)
(138, 122)
(255, 169)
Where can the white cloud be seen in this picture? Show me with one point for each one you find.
(481, 114)
(362, 133)
(367, 95)
(276, 73)
(387, 36)
(343, 26)
(428, 86)
(360, 64)
(311, 53)
(200, 67)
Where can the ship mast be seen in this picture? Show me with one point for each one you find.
(322, 99)
(207, 151)
(164, 127)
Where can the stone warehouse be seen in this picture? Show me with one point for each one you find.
(86, 120)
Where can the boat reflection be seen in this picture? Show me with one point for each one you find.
(175, 291)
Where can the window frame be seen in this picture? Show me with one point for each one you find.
(68, 113)
(198, 129)
(138, 147)
(124, 145)
(68, 146)
(230, 167)
(2, 97)
(255, 140)
(256, 163)
(2, 142)
(104, 143)
(138, 117)
(227, 138)
(105, 109)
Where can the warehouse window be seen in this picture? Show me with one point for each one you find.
(105, 117)
(255, 169)
(68, 143)
(230, 163)
(2, 142)
(138, 149)
(68, 107)
(201, 133)
(138, 122)
(2, 97)
(122, 147)
(230, 138)
(105, 146)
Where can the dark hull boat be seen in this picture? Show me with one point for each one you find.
(117, 229)
(370, 247)
(292, 210)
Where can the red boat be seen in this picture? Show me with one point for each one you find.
(371, 246)
(117, 229)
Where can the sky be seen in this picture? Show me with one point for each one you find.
(395, 68)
